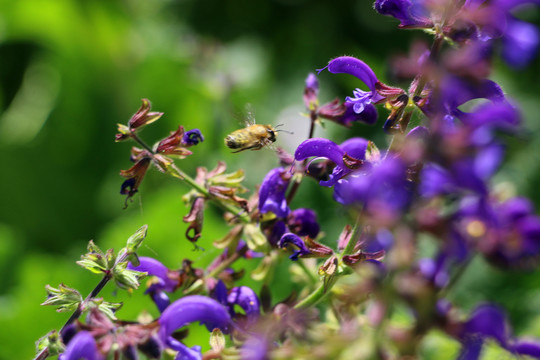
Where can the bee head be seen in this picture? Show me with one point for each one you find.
(272, 133)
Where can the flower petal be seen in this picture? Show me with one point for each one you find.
(82, 346)
(355, 67)
(321, 148)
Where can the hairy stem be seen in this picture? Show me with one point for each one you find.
(179, 174)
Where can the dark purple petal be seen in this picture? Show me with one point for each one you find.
(157, 269)
(368, 116)
(246, 298)
(520, 43)
(458, 91)
(276, 232)
(396, 8)
(384, 186)
(82, 346)
(193, 137)
(272, 193)
(487, 161)
(435, 180)
(526, 347)
(184, 353)
(320, 148)
(291, 238)
(472, 348)
(498, 115)
(407, 12)
(160, 299)
(220, 292)
(355, 147)
(312, 83)
(187, 310)
(516, 208)
(487, 321)
(465, 176)
(303, 222)
(355, 67)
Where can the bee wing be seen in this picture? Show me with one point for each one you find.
(250, 114)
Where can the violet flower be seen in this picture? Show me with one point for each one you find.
(293, 239)
(362, 100)
(242, 296)
(520, 40)
(410, 13)
(165, 280)
(322, 148)
(382, 187)
(507, 233)
(335, 111)
(303, 222)
(246, 298)
(489, 322)
(272, 193)
(185, 311)
(81, 346)
(192, 137)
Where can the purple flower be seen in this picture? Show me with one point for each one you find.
(293, 239)
(520, 43)
(354, 148)
(359, 69)
(489, 322)
(507, 233)
(410, 13)
(246, 298)
(82, 346)
(165, 280)
(272, 193)
(157, 269)
(520, 40)
(242, 296)
(192, 137)
(185, 311)
(303, 222)
(382, 187)
(367, 116)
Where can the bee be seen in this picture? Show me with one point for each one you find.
(252, 137)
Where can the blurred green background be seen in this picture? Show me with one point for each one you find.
(71, 70)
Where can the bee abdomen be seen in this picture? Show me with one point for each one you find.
(233, 142)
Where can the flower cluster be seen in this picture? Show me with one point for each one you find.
(280, 288)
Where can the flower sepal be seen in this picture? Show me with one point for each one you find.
(66, 298)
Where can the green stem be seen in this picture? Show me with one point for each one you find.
(324, 289)
(316, 296)
(179, 174)
(309, 273)
(43, 354)
(214, 273)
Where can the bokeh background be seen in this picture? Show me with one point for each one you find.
(71, 70)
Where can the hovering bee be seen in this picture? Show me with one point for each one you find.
(252, 137)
